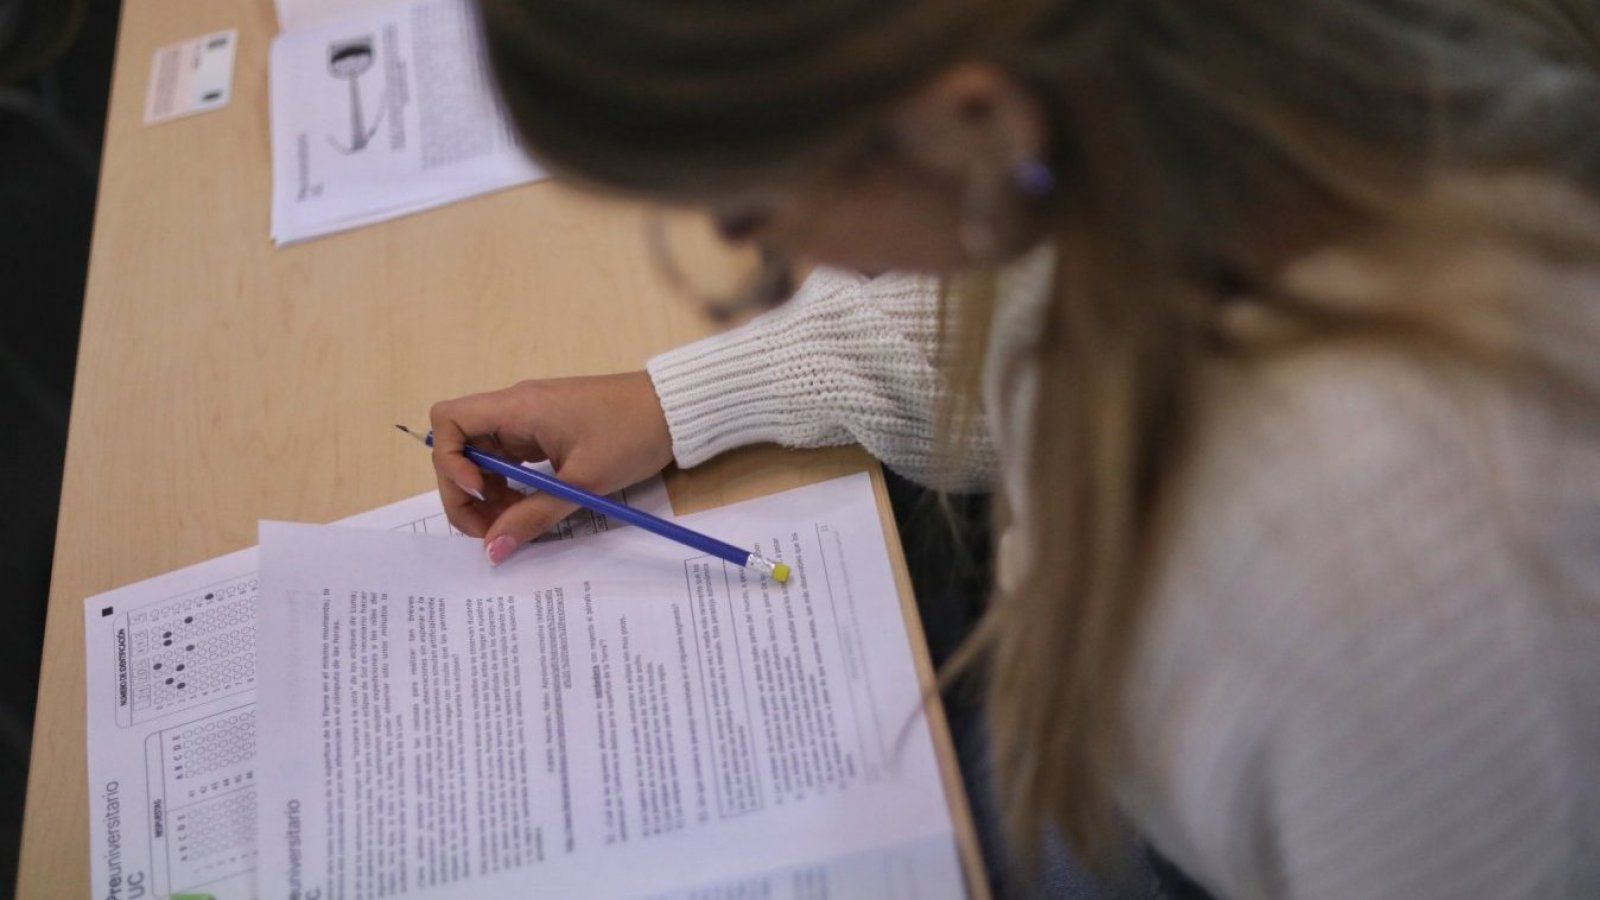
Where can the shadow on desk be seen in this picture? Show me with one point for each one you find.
(947, 554)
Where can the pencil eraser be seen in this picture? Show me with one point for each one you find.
(780, 572)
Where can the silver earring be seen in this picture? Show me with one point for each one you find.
(1033, 178)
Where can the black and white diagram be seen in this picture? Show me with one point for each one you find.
(384, 110)
(348, 61)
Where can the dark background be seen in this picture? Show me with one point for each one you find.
(55, 74)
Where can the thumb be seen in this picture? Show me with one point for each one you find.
(522, 522)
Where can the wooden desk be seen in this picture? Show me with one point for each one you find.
(221, 381)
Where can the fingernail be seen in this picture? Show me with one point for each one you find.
(500, 548)
(476, 495)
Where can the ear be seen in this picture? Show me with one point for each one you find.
(974, 113)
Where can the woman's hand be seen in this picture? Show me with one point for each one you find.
(601, 433)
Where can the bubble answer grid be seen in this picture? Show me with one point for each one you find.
(210, 745)
(202, 775)
(214, 839)
(192, 648)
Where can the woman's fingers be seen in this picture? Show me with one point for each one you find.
(472, 499)
(521, 522)
(601, 432)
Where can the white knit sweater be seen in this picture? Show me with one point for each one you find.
(1372, 667)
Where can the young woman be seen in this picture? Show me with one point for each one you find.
(1275, 324)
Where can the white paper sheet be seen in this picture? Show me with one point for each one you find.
(191, 77)
(171, 681)
(383, 113)
(614, 717)
(295, 15)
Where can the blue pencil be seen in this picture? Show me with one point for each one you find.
(600, 503)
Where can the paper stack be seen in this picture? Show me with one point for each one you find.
(379, 110)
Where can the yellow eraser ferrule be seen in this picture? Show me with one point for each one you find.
(780, 572)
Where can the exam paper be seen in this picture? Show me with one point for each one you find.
(381, 113)
(614, 717)
(171, 682)
(300, 14)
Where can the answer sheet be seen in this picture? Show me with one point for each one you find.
(384, 112)
(171, 683)
(615, 717)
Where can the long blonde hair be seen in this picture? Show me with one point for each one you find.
(1197, 146)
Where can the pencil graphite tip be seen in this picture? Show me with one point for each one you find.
(406, 431)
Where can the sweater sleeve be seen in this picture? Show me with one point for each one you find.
(848, 360)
